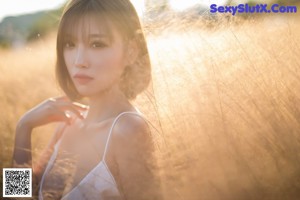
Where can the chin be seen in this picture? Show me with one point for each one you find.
(94, 90)
(88, 94)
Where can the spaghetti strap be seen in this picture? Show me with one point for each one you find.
(138, 113)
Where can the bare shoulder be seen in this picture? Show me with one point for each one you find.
(133, 131)
(131, 125)
(135, 157)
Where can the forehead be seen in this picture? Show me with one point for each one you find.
(82, 27)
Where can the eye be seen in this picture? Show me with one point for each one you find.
(98, 45)
(69, 44)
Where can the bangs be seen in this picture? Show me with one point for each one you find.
(79, 26)
(77, 20)
(107, 15)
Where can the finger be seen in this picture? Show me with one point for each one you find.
(76, 104)
(80, 106)
(64, 106)
(68, 118)
(62, 116)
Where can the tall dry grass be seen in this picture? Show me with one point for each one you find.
(229, 104)
(27, 78)
(227, 96)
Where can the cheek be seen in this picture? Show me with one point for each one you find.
(68, 58)
(111, 62)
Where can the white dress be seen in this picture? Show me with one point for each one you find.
(98, 184)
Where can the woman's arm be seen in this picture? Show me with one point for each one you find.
(134, 154)
(51, 110)
(22, 156)
(22, 148)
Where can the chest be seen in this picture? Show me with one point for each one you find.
(79, 151)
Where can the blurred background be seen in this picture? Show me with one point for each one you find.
(225, 89)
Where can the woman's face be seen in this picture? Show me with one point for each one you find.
(95, 64)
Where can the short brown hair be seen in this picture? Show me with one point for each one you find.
(121, 13)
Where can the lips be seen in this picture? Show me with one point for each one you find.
(82, 78)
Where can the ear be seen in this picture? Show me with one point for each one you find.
(132, 51)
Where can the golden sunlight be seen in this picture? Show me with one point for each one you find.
(178, 5)
(181, 5)
(139, 6)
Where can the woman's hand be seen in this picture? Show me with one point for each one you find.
(52, 110)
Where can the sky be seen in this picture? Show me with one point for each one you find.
(17, 7)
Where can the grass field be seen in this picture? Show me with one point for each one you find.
(227, 96)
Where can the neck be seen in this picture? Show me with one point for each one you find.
(106, 105)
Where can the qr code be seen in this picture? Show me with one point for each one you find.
(17, 182)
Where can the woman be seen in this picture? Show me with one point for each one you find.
(103, 150)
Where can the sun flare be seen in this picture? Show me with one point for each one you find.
(177, 5)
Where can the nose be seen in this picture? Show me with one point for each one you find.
(80, 59)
